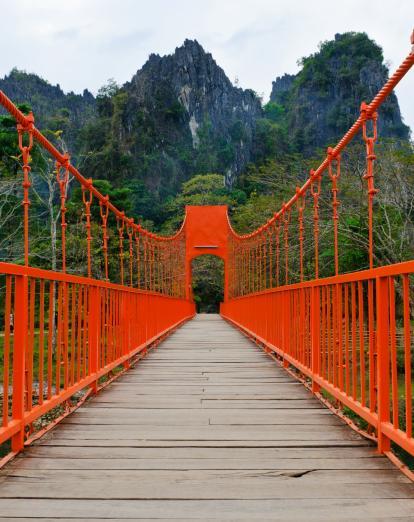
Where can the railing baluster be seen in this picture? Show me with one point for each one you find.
(382, 302)
(21, 325)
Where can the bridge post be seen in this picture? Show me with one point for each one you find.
(93, 332)
(315, 335)
(207, 233)
(21, 324)
(226, 281)
(383, 374)
(286, 325)
(127, 324)
(188, 280)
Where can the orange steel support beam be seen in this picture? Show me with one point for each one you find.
(207, 230)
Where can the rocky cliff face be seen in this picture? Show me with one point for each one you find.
(196, 99)
(322, 101)
(52, 107)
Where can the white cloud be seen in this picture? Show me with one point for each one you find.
(81, 43)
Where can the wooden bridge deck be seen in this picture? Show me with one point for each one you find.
(207, 427)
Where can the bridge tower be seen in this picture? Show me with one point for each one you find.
(207, 230)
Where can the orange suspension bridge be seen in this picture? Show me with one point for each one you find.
(208, 426)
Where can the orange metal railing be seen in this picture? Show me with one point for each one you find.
(63, 332)
(99, 326)
(348, 336)
(341, 334)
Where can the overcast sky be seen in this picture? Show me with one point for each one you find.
(81, 43)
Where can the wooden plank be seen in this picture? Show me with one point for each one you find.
(236, 415)
(297, 394)
(236, 395)
(205, 433)
(205, 484)
(197, 402)
(173, 443)
(182, 417)
(206, 387)
(314, 510)
(177, 380)
(369, 518)
(204, 453)
(212, 477)
(71, 462)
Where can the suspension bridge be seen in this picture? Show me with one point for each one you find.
(119, 402)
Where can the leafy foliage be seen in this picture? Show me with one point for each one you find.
(322, 101)
(208, 283)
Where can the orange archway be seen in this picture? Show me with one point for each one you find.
(207, 232)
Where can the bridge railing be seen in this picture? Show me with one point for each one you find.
(347, 335)
(114, 290)
(98, 327)
(343, 336)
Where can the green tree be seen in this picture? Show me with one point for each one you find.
(202, 189)
(208, 283)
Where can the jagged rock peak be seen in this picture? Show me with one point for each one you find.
(322, 100)
(188, 61)
(52, 107)
(193, 46)
(189, 48)
(191, 77)
(281, 84)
